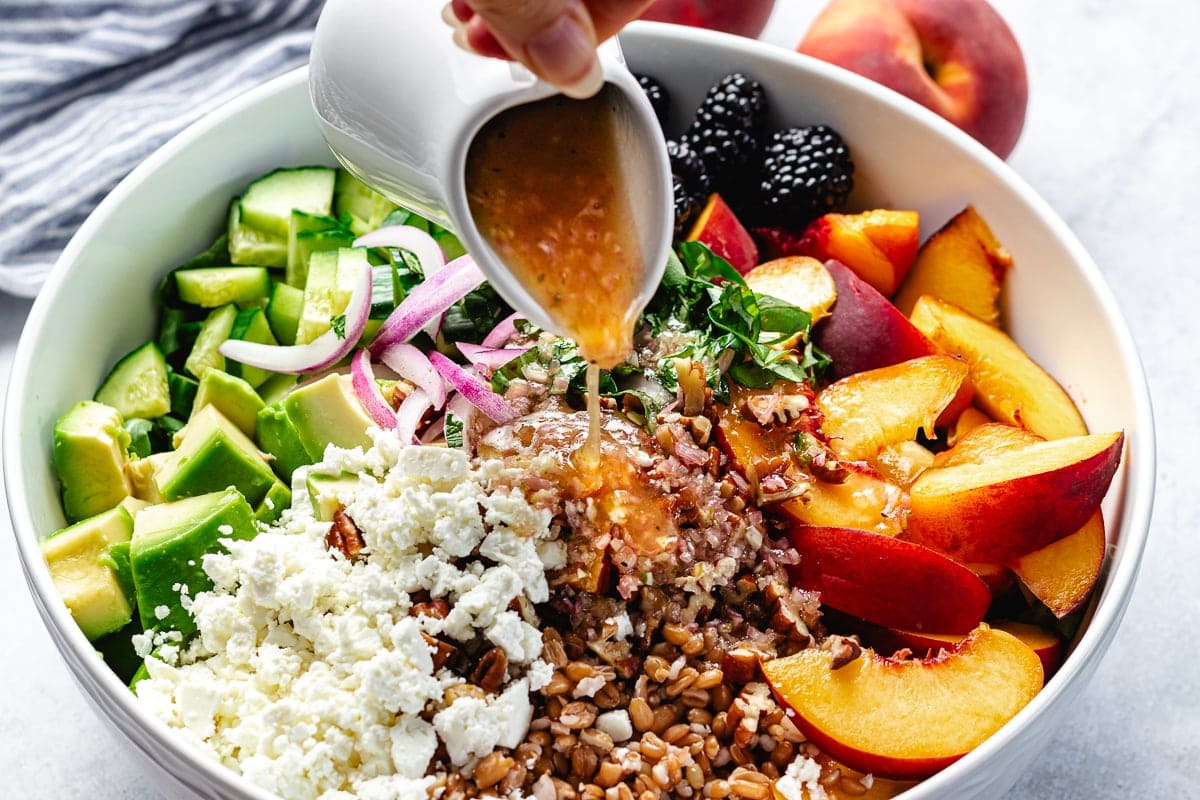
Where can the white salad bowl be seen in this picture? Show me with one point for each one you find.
(99, 302)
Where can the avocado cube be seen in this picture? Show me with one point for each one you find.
(214, 454)
(143, 475)
(232, 396)
(278, 498)
(167, 553)
(116, 558)
(90, 588)
(328, 412)
(325, 492)
(90, 444)
(277, 436)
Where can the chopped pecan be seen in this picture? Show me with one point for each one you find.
(436, 608)
(344, 536)
(785, 617)
(442, 651)
(845, 649)
(490, 672)
(740, 663)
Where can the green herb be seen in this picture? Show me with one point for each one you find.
(139, 437)
(454, 430)
(338, 324)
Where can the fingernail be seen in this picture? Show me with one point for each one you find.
(449, 18)
(565, 54)
(460, 39)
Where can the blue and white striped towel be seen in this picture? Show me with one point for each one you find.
(89, 88)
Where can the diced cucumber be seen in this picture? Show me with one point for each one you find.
(383, 292)
(183, 393)
(366, 208)
(330, 284)
(216, 329)
(307, 234)
(137, 385)
(209, 287)
(250, 326)
(269, 201)
(284, 310)
(249, 245)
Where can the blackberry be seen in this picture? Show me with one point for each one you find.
(689, 167)
(735, 102)
(728, 154)
(806, 172)
(687, 205)
(657, 95)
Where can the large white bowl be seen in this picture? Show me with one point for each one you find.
(99, 303)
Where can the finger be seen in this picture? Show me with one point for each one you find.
(479, 37)
(554, 38)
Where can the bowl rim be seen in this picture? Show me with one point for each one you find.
(154, 738)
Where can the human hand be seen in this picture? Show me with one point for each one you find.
(556, 39)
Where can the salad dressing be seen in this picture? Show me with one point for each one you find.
(547, 189)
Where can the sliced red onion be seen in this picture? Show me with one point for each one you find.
(428, 301)
(489, 357)
(362, 378)
(408, 417)
(413, 365)
(321, 353)
(416, 241)
(435, 431)
(505, 329)
(475, 390)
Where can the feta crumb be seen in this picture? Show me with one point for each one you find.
(587, 687)
(802, 781)
(225, 530)
(616, 724)
(162, 612)
(624, 625)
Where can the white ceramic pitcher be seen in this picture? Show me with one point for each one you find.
(399, 105)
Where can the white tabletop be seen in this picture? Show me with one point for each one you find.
(1110, 141)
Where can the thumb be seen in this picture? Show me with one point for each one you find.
(555, 39)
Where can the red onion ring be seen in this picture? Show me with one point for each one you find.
(476, 391)
(413, 365)
(362, 378)
(428, 301)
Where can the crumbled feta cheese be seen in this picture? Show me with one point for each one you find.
(616, 724)
(624, 625)
(802, 781)
(225, 530)
(587, 687)
(307, 673)
(162, 612)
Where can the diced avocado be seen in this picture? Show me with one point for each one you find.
(326, 492)
(331, 277)
(183, 393)
(216, 329)
(143, 473)
(328, 412)
(90, 444)
(133, 505)
(250, 246)
(278, 498)
(211, 287)
(284, 310)
(137, 385)
(269, 201)
(214, 454)
(308, 234)
(277, 436)
(250, 326)
(91, 589)
(232, 396)
(276, 387)
(168, 548)
(116, 558)
(366, 208)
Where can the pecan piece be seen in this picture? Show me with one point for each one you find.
(442, 651)
(490, 672)
(845, 649)
(344, 536)
(437, 608)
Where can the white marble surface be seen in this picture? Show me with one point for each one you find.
(1110, 142)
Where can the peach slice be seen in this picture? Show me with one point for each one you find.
(985, 442)
(865, 331)
(902, 463)
(910, 718)
(963, 264)
(887, 581)
(970, 418)
(879, 245)
(861, 500)
(804, 282)
(1047, 645)
(1063, 573)
(1009, 385)
(1017, 502)
(868, 411)
(719, 228)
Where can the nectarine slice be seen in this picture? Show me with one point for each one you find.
(887, 581)
(907, 719)
(801, 281)
(902, 463)
(1063, 573)
(970, 418)
(984, 443)
(719, 228)
(1047, 645)
(879, 245)
(867, 411)
(962, 263)
(1017, 502)
(1009, 385)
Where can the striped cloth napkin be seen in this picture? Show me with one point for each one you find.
(89, 88)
